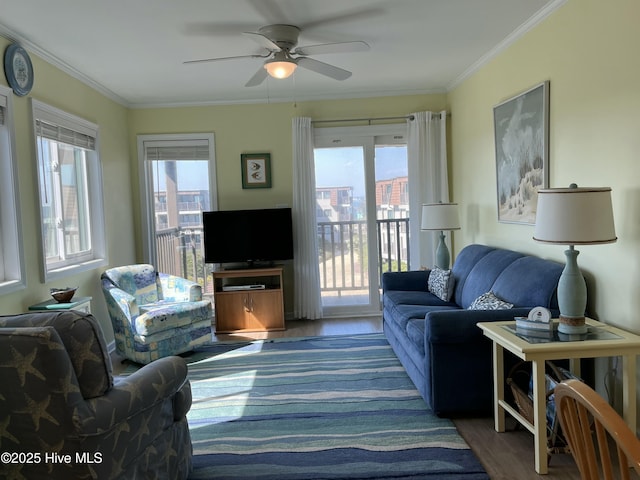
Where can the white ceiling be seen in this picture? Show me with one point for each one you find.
(133, 50)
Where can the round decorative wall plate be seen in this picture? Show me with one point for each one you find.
(18, 69)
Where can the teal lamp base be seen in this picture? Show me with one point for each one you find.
(572, 296)
(443, 259)
(572, 326)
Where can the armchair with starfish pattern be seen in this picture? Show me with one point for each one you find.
(63, 415)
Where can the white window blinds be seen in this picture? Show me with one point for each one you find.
(177, 150)
(65, 135)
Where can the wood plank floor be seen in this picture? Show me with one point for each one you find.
(505, 456)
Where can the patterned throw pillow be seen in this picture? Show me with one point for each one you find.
(440, 283)
(489, 301)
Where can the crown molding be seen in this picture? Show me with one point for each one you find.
(55, 61)
(28, 45)
(508, 41)
(294, 98)
(14, 36)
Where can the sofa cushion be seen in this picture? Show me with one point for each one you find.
(415, 331)
(441, 283)
(484, 274)
(529, 282)
(161, 317)
(489, 301)
(412, 297)
(464, 263)
(402, 314)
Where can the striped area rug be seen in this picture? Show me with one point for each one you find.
(317, 408)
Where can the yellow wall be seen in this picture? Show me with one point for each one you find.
(261, 128)
(58, 89)
(238, 129)
(587, 49)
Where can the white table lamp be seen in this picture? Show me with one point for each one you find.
(574, 216)
(441, 216)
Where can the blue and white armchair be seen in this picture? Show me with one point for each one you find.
(154, 314)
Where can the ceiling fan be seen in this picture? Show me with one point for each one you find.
(282, 55)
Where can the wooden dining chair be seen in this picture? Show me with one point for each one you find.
(596, 434)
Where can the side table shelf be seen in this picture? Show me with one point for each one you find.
(82, 304)
(248, 300)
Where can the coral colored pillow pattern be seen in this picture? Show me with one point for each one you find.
(489, 301)
(440, 283)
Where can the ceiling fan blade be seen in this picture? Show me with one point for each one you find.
(270, 10)
(338, 47)
(263, 41)
(349, 16)
(205, 60)
(257, 78)
(323, 68)
(213, 28)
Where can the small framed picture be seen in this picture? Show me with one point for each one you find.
(256, 170)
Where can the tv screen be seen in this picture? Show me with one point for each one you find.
(262, 235)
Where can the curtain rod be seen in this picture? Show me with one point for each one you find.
(404, 117)
(372, 119)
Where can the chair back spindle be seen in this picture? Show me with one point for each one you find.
(592, 427)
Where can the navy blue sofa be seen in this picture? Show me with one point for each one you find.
(438, 342)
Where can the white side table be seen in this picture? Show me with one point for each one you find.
(605, 341)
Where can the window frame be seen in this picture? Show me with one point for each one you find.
(12, 266)
(96, 256)
(145, 182)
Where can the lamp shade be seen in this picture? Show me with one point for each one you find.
(574, 216)
(440, 216)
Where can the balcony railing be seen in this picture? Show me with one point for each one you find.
(179, 252)
(342, 256)
(393, 245)
(343, 251)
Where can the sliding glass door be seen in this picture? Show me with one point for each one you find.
(361, 213)
(343, 230)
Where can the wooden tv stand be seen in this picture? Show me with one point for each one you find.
(242, 305)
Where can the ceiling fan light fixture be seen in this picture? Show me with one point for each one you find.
(279, 68)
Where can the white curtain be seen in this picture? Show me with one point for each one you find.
(307, 300)
(428, 180)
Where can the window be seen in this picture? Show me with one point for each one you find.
(70, 187)
(178, 184)
(11, 254)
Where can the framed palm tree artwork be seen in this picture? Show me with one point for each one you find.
(521, 126)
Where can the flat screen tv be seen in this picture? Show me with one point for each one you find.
(248, 236)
